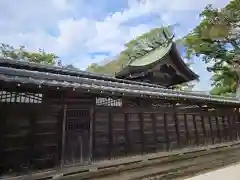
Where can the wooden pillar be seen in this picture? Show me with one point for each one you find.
(64, 121)
(110, 135)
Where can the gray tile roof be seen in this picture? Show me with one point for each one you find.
(10, 72)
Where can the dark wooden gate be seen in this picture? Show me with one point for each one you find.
(77, 135)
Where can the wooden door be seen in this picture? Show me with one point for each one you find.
(77, 135)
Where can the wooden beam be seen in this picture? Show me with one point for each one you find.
(64, 123)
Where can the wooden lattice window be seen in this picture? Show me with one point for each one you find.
(108, 102)
(16, 97)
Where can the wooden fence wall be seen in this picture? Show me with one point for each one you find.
(120, 131)
(30, 137)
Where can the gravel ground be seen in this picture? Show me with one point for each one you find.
(228, 173)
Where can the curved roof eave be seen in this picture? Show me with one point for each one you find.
(187, 71)
(147, 61)
(152, 58)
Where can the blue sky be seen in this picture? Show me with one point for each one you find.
(82, 32)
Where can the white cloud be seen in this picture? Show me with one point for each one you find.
(61, 27)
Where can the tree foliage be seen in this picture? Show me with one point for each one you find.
(22, 54)
(216, 40)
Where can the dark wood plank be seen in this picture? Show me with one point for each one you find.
(186, 129)
(230, 133)
(31, 136)
(203, 128)
(218, 129)
(176, 124)
(126, 134)
(167, 140)
(110, 134)
(92, 134)
(64, 121)
(141, 121)
(211, 129)
(195, 129)
(224, 127)
(154, 129)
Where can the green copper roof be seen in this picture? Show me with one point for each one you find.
(153, 56)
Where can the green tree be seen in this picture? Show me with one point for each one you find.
(22, 54)
(216, 40)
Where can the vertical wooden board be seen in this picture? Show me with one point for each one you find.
(15, 140)
(181, 125)
(230, 130)
(176, 124)
(234, 126)
(133, 120)
(207, 129)
(101, 134)
(167, 139)
(118, 134)
(199, 126)
(154, 129)
(171, 131)
(218, 126)
(110, 134)
(224, 128)
(93, 134)
(212, 128)
(191, 130)
(195, 129)
(186, 128)
(237, 120)
(126, 134)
